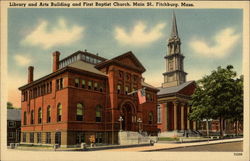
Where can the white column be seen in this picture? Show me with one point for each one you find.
(167, 121)
(175, 115)
(182, 116)
(188, 122)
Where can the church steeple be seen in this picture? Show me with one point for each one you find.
(174, 33)
(174, 74)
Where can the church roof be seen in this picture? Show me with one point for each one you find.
(175, 89)
(174, 33)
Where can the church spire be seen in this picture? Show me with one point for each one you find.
(174, 75)
(174, 33)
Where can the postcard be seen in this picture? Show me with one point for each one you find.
(124, 80)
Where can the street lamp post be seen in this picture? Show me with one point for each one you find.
(139, 124)
(120, 120)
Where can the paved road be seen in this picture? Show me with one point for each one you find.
(223, 147)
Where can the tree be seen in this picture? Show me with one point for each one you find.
(9, 105)
(215, 96)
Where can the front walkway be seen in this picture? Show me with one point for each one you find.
(160, 146)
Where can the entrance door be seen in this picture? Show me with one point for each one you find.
(58, 138)
(127, 117)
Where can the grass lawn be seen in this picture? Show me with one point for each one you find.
(168, 139)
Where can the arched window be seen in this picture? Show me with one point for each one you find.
(98, 113)
(126, 90)
(95, 86)
(118, 89)
(89, 84)
(48, 114)
(40, 115)
(32, 117)
(76, 82)
(79, 112)
(83, 83)
(59, 112)
(24, 118)
(150, 117)
(158, 113)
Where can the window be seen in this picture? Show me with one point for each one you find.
(95, 86)
(126, 90)
(89, 84)
(148, 97)
(170, 63)
(24, 118)
(32, 117)
(48, 138)
(11, 135)
(31, 137)
(40, 115)
(135, 91)
(39, 137)
(83, 84)
(128, 76)
(150, 117)
(135, 78)
(98, 113)
(120, 74)
(59, 84)
(50, 87)
(118, 89)
(79, 112)
(59, 112)
(48, 114)
(24, 137)
(11, 124)
(76, 82)
(158, 113)
(99, 137)
(101, 88)
(80, 137)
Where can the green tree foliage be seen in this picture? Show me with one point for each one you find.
(218, 96)
(9, 105)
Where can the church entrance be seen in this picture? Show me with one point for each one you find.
(127, 115)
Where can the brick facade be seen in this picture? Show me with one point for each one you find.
(83, 98)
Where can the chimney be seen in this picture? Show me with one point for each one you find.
(56, 56)
(30, 74)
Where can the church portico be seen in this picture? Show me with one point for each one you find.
(176, 116)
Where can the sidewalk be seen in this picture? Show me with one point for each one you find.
(160, 146)
(136, 147)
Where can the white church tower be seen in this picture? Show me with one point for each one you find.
(174, 74)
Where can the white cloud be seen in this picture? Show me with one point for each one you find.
(139, 35)
(224, 41)
(47, 36)
(22, 60)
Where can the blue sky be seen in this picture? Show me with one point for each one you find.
(210, 38)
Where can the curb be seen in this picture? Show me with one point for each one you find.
(162, 149)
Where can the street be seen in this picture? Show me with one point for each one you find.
(222, 147)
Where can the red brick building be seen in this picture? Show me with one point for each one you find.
(85, 96)
(175, 92)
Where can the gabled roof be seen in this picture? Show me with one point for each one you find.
(14, 114)
(175, 89)
(118, 61)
